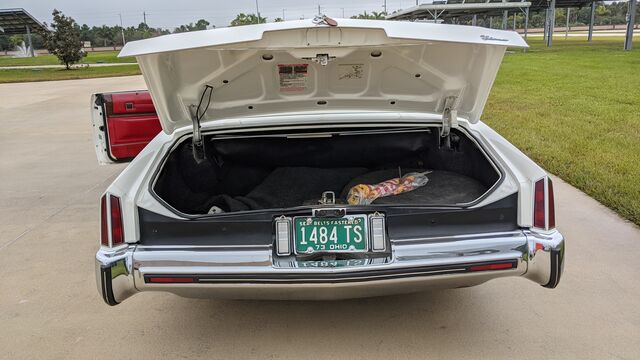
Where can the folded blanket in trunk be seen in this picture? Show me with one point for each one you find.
(288, 187)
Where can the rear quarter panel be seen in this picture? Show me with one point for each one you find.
(524, 170)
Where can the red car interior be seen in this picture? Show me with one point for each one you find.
(131, 123)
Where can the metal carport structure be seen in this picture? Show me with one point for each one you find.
(451, 9)
(19, 22)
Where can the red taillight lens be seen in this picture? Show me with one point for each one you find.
(117, 232)
(538, 205)
(552, 206)
(162, 279)
(104, 226)
(485, 267)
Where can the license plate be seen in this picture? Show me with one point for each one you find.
(345, 234)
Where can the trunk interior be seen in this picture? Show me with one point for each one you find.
(275, 170)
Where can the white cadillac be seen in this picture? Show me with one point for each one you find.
(317, 159)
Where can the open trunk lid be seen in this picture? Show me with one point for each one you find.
(298, 66)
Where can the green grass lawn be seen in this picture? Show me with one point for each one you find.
(575, 109)
(25, 75)
(91, 58)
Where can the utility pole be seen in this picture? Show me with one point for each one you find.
(283, 14)
(566, 29)
(551, 22)
(258, 12)
(592, 18)
(342, 13)
(319, 9)
(384, 6)
(144, 17)
(505, 19)
(122, 30)
(631, 20)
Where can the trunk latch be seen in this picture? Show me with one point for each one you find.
(322, 59)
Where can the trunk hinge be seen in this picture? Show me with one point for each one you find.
(449, 115)
(196, 115)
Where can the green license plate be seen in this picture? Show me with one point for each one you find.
(345, 234)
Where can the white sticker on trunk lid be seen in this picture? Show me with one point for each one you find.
(293, 77)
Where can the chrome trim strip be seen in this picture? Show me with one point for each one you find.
(456, 237)
(414, 265)
(203, 247)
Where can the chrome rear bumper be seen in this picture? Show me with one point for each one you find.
(256, 273)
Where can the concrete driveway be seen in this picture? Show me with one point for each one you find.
(49, 306)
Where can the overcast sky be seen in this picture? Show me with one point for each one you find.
(169, 14)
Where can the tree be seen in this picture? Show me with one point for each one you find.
(247, 19)
(15, 41)
(199, 25)
(64, 41)
(278, 19)
(373, 16)
(4, 44)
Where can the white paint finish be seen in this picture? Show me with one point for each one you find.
(394, 29)
(522, 170)
(421, 64)
(98, 136)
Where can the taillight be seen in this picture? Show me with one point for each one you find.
(544, 215)
(538, 205)
(552, 205)
(104, 222)
(111, 219)
(117, 233)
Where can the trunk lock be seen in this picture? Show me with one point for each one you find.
(328, 198)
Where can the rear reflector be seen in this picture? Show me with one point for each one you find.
(538, 205)
(117, 232)
(104, 225)
(283, 236)
(165, 280)
(500, 266)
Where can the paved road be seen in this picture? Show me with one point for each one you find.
(49, 306)
(23, 67)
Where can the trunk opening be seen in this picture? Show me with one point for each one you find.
(261, 171)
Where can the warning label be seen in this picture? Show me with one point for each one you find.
(293, 77)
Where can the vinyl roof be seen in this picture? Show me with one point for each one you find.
(15, 21)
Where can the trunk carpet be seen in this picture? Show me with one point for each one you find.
(295, 186)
